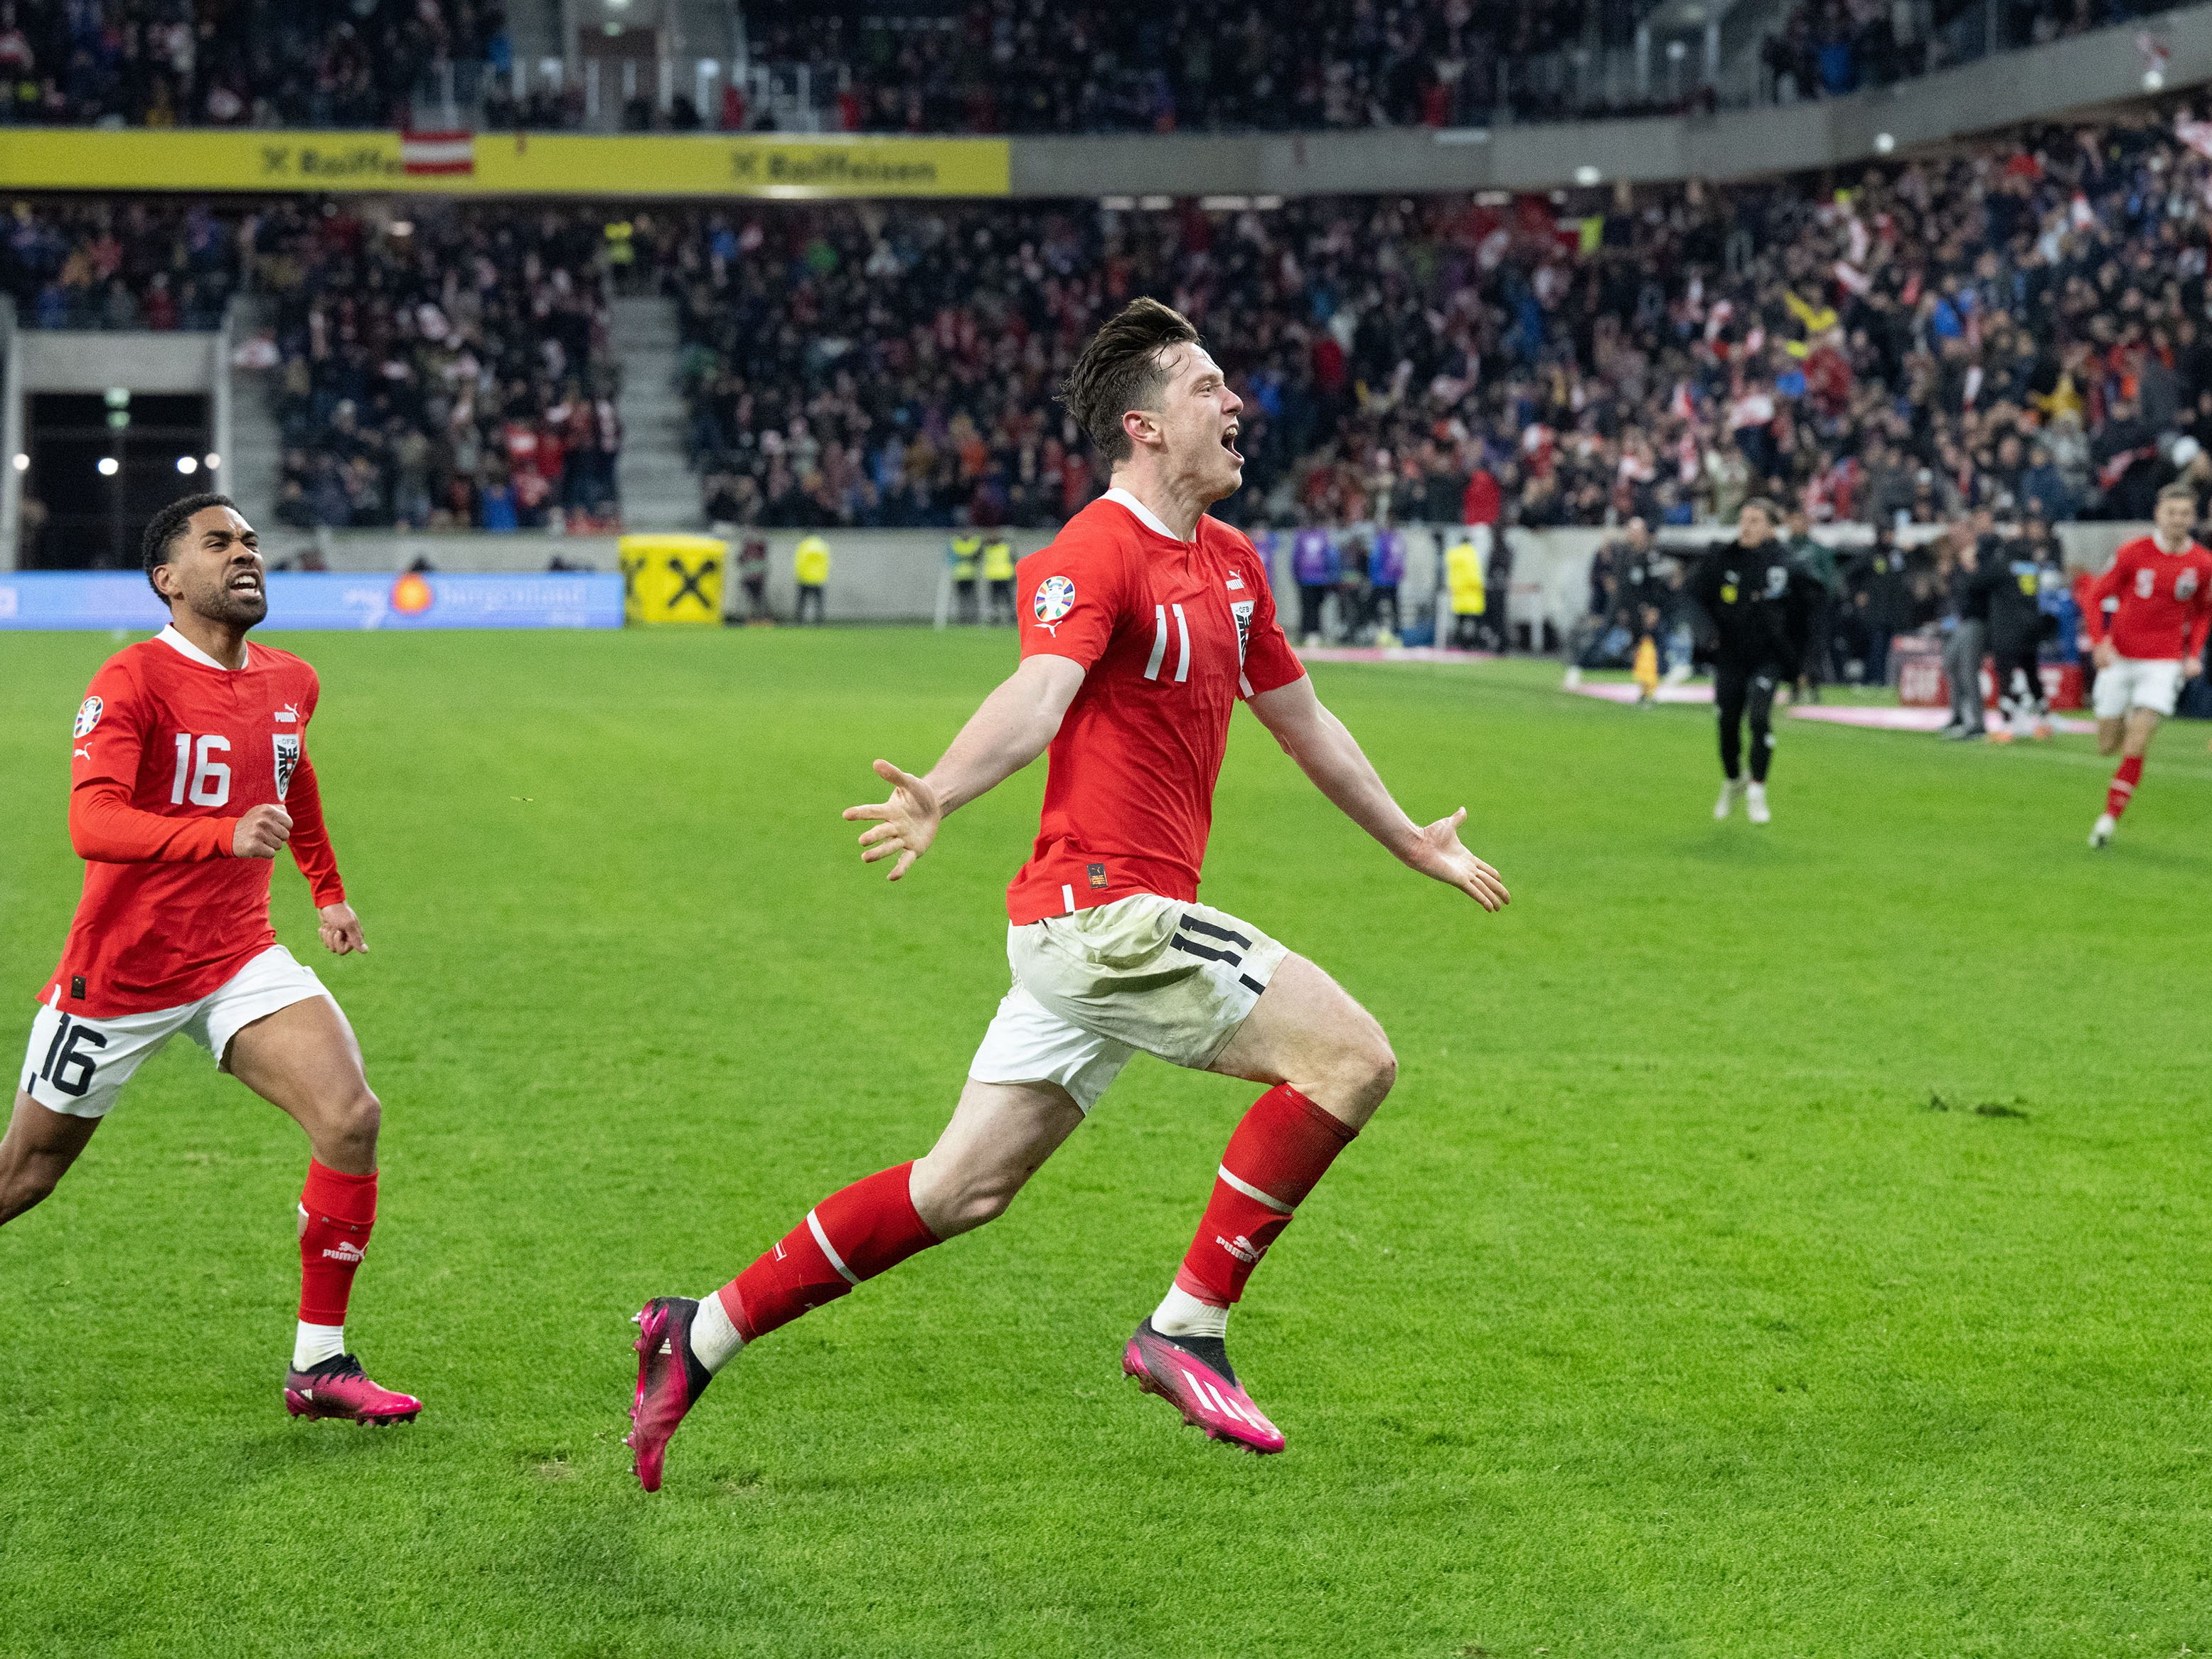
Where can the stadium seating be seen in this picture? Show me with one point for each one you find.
(2013, 323)
(240, 63)
(2019, 322)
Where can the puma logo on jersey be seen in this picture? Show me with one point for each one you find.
(289, 714)
(79, 754)
(1236, 579)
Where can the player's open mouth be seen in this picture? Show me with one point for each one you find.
(1229, 442)
(245, 581)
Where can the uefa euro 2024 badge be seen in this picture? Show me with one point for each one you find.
(88, 716)
(1055, 597)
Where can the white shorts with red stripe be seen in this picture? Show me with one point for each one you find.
(1171, 977)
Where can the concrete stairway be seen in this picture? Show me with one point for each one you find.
(658, 491)
(254, 469)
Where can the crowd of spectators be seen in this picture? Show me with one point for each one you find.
(235, 63)
(452, 371)
(1831, 48)
(2023, 322)
(449, 371)
(141, 264)
(1093, 66)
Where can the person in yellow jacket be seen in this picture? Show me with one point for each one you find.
(810, 568)
(962, 552)
(999, 572)
(1463, 580)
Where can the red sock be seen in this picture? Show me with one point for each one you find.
(2123, 785)
(1283, 1146)
(855, 1233)
(336, 1212)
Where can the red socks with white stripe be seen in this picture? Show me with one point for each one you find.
(857, 1233)
(335, 1214)
(1281, 1149)
(2123, 786)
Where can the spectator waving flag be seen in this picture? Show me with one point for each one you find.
(438, 152)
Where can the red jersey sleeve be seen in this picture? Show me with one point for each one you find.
(2200, 626)
(1070, 596)
(2106, 587)
(108, 747)
(311, 835)
(1269, 662)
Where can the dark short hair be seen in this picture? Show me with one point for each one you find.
(1121, 370)
(1765, 504)
(163, 529)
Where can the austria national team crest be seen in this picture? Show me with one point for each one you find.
(1055, 597)
(287, 746)
(88, 716)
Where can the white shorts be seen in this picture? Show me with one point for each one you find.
(2138, 683)
(1171, 978)
(78, 1066)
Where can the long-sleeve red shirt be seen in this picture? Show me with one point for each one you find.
(170, 751)
(2165, 601)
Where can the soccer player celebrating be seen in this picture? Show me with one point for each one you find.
(1141, 626)
(2155, 640)
(1748, 589)
(189, 772)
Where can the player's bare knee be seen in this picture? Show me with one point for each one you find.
(353, 1120)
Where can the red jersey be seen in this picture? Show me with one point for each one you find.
(1170, 634)
(2165, 601)
(171, 750)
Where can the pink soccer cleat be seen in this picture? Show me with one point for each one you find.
(338, 1387)
(1193, 1375)
(670, 1380)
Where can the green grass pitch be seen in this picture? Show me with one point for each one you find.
(1659, 1312)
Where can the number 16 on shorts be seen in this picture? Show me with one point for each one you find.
(65, 1061)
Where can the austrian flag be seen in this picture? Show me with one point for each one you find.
(438, 152)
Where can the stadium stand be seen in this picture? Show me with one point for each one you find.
(238, 63)
(2021, 322)
(1017, 66)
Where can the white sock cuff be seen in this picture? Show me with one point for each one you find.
(1181, 1313)
(714, 1338)
(313, 1344)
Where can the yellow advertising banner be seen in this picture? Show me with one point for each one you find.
(630, 165)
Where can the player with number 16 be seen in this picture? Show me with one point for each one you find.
(189, 772)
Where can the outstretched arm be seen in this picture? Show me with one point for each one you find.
(1015, 724)
(1332, 757)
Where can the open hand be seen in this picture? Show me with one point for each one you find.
(340, 929)
(1436, 851)
(905, 824)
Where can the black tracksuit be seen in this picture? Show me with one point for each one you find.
(1757, 601)
(2010, 574)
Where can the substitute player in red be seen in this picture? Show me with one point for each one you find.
(2163, 582)
(1142, 625)
(190, 772)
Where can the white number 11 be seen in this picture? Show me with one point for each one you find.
(210, 779)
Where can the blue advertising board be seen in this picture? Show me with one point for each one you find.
(327, 599)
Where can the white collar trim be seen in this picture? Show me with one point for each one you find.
(177, 642)
(1144, 514)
